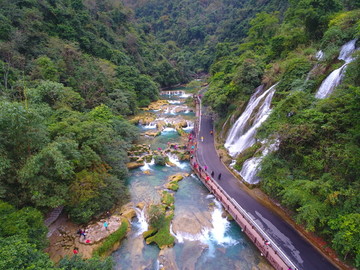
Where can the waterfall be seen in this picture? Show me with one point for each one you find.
(141, 224)
(168, 129)
(335, 77)
(320, 55)
(190, 126)
(251, 166)
(152, 125)
(217, 235)
(175, 160)
(220, 227)
(242, 133)
(147, 165)
(174, 101)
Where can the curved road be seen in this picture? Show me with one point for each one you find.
(299, 250)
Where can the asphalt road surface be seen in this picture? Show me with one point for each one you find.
(296, 248)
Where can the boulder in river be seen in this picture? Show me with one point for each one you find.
(134, 165)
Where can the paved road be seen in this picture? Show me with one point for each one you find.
(299, 250)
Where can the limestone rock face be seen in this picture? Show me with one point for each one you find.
(191, 222)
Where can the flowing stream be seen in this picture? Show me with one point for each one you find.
(204, 238)
(335, 77)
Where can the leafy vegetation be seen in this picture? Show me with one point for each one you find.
(314, 171)
(76, 262)
(72, 70)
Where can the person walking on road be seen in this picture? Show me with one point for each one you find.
(202, 139)
(212, 173)
(219, 176)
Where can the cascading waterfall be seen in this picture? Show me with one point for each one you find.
(210, 236)
(141, 223)
(335, 77)
(320, 55)
(189, 127)
(251, 166)
(242, 134)
(152, 125)
(174, 101)
(175, 160)
(147, 165)
(168, 129)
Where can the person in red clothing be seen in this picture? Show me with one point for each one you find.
(75, 250)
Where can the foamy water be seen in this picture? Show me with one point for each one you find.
(147, 165)
(141, 223)
(175, 160)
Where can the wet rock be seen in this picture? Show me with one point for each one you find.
(170, 164)
(157, 105)
(176, 177)
(167, 259)
(191, 222)
(140, 205)
(129, 214)
(134, 165)
(191, 254)
(153, 133)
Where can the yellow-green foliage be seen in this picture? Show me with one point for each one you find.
(112, 239)
(345, 20)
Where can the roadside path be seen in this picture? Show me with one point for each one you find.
(298, 249)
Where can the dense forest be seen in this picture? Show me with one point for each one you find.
(71, 71)
(197, 27)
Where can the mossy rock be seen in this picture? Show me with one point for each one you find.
(167, 198)
(133, 158)
(181, 132)
(149, 233)
(153, 133)
(176, 177)
(174, 186)
(184, 157)
(134, 165)
(161, 160)
(163, 237)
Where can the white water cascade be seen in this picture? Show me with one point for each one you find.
(251, 166)
(142, 224)
(175, 160)
(335, 77)
(242, 134)
(190, 126)
(152, 125)
(147, 165)
(210, 236)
